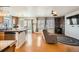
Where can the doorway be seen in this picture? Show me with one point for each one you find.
(59, 25)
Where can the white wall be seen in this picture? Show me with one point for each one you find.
(72, 30)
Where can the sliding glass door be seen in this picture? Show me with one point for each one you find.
(41, 24)
(46, 23)
(50, 24)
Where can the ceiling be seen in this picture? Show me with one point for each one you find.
(39, 11)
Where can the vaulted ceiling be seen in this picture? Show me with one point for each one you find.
(38, 11)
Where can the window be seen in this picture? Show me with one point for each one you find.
(41, 24)
(49, 23)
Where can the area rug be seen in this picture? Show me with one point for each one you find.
(68, 40)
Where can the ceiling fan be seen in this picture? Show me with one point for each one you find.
(54, 13)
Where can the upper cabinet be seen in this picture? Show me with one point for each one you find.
(1, 19)
(15, 20)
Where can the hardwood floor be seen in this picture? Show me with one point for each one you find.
(36, 43)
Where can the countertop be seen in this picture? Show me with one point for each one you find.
(13, 30)
(6, 43)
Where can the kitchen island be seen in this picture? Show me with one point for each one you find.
(15, 34)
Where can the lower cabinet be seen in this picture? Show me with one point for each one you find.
(1, 35)
(9, 36)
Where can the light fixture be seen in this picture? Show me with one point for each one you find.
(54, 13)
